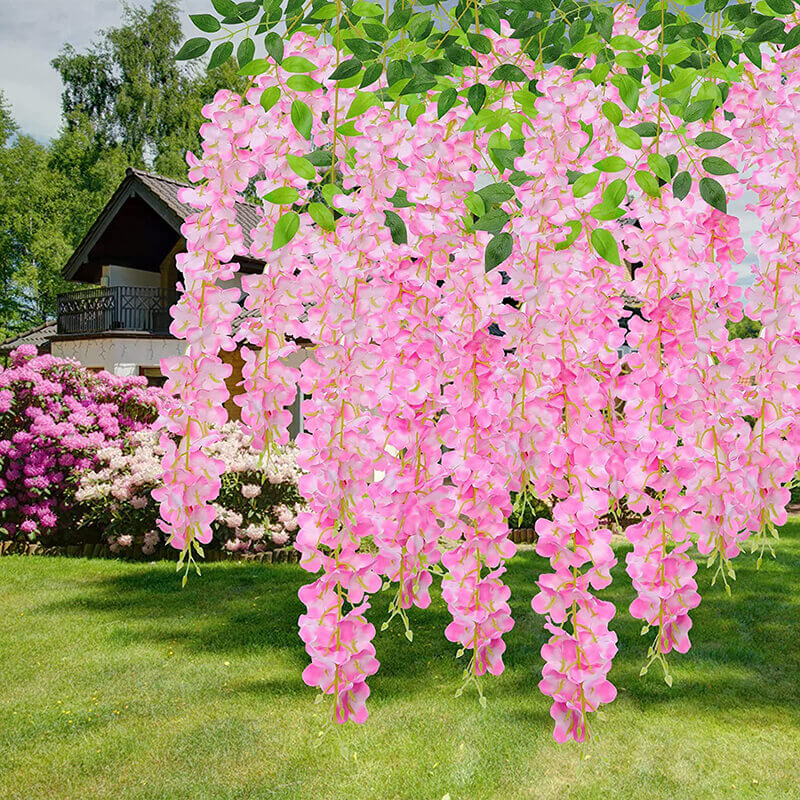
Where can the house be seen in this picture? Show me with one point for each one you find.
(120, 321)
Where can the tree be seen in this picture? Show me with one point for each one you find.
(129, 90)
(33, 246)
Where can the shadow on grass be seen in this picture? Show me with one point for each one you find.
(743, 655)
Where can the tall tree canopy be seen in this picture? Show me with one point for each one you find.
(135, 95)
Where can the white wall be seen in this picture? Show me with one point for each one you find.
(118, 355)
(125, 276)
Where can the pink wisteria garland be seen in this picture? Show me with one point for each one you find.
(437, 388)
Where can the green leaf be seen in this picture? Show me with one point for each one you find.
(474, 204)
(301, 167)
(397, 227)
(298, 64)
(361, 102)
(447, 99)
(718, 166)
(329, 191)
(413, 112)
(677, 52)
(347, 69)
(303, 83)
(615, 192)
(527, 101)
(400, 199)
(624, 42)
(603, 21)
(575, 232)
(605, 245)
(222, 52)
(226, 8)
(753, 52)
(660, 167)
(269, 96)
(302, 118)
(646, 129)
(605, 212)
(322, 215)
(792, 39)
(283, 196)
(612, 112)
(781, 7)
(205, 22)
(371, 74)
(194, 48)
(769, 31)
(715, 5)
(647, 183)
(326, 11)
(697, 110)
(376, 32)
(492, 221)
(709, 140)
(628, 90)
(274, 47)
(712, 192)
(496, 193)
(651, 20)
(480, 43)
(724, 48)
(245, 52)
(399, 18)
(284, 232)
(585, 184)
(365, 9)
(611, 164)
(509, 73)
(681, 185)
(476, 97)
(497, 250)
(256, 67)
(629, 60)
(628, 137)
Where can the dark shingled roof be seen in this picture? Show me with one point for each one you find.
(39, 337)
(161, 195)
(166, 190)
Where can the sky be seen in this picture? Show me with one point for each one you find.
(33, 32)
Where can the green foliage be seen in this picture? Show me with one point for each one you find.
(746, 328)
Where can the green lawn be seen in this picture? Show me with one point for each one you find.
(117, 684)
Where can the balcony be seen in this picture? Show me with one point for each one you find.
(115, 308)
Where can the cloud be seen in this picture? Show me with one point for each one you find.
(32, 33)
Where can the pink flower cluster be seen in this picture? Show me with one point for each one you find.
(55, 417)
(438, 388)
(255, 510)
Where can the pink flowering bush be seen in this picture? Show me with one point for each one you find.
(467, 286)
(55, 417)
(256, 509)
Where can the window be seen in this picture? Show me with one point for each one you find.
(153, 375)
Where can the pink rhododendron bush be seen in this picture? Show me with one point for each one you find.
(506, 291)
(256, 509)
(55, 418)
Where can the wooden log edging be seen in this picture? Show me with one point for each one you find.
(523, 535)
(281, 555)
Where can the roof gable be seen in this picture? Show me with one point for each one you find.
(141, 221)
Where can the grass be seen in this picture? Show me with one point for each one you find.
(116, 683)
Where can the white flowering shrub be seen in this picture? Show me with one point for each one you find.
(256, 509)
